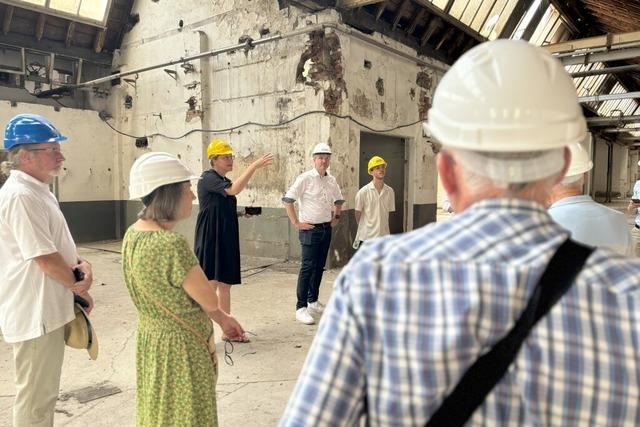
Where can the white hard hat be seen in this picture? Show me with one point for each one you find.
(153, 170)
(321, 148)
(506, 96)
(580, 161)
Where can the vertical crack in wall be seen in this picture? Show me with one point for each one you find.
(320, 67)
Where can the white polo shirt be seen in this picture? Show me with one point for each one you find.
(374, 208)
(315, 195)
(593, 224)
(31, 224)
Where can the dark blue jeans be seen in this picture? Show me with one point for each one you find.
(315, 247)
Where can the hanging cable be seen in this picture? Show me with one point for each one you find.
(105, 119)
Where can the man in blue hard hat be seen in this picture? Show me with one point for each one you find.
(37, 281)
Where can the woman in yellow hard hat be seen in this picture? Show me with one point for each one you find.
(217, 240)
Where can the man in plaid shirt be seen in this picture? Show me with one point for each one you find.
(410, 313)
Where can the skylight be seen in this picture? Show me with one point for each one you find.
(93, 12)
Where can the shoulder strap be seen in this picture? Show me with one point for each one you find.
(181, 322)
(488, 369)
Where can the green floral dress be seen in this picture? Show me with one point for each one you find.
(174, 373)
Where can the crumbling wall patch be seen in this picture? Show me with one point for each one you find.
(321, 62)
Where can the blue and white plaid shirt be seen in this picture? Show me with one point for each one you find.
(411, 312)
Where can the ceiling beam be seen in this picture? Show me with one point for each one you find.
(445, 37)
(535, 20)
(98, 41)
(608, 70)
(520, 9)
(400, 13)
(59, 48)
(430, 30)
(8, 16)
(352, 4)
(605, 41)
(609, 97)
(42, 18)
(380, 10)
(609, 121)
(70, 29)
(418, 19)
(613, 55)
(450, 20)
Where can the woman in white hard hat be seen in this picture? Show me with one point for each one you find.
(175, 351)
(217, 237)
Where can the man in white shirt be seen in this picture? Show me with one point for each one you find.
(37, 281)
(319, 204)
(374, 202)
(589, 222)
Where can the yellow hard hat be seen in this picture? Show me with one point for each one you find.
(218, 147)
(375, 161)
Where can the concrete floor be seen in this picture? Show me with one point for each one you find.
(252, 392)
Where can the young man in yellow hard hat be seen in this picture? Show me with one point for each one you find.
(374, 202)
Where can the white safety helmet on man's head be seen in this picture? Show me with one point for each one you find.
(321, 148)
(580, 160)
(508, 96)
(153, 170)
(580, 163)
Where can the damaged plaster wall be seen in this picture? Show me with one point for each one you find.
(384, 91)
(86, 184)
(271, 83)
(258, 85)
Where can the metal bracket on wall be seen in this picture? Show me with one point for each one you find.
(131, 82)
(188, 67)
(172, 73)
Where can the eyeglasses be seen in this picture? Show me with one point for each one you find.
(228, 349)
(52, 150)
(227, 157)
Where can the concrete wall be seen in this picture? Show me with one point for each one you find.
(624, 170)
(87, 182)
(322, 70)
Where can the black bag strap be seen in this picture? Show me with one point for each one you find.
(484, 374)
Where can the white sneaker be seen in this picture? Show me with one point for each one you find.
(315, 307)
(303, 316)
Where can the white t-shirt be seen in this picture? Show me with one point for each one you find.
(374, 208)
(315, 195)
(31, 224)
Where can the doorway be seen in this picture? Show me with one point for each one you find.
(392, 150)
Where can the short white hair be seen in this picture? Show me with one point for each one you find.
(505, 168)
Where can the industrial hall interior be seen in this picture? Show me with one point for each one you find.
(319, 212)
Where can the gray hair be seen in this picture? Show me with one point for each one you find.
(13, 160)
(163, 203)
(477, 181)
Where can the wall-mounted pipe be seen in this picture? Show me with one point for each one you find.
(250, 44)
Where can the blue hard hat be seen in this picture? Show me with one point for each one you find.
(30, 129)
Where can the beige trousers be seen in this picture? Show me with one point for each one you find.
(38, 364)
